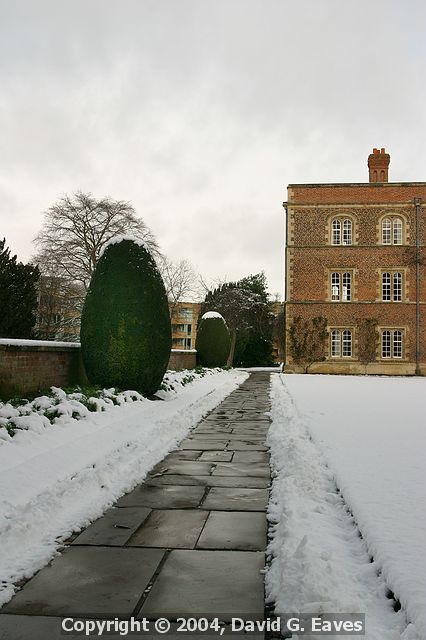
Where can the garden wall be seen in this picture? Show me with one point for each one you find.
(180, 359)
(29, 366)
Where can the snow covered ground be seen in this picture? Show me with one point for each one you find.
(367, 436)
(58, 478)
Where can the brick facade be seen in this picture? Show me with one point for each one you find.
(314, 260)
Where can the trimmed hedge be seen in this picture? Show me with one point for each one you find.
(213, 341)
(125, 326)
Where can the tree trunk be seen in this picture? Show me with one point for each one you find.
(232, 349)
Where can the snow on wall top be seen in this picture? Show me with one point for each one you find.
(118, 239)
(18, 342)
(212, 314)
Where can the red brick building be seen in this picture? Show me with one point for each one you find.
(356, 258)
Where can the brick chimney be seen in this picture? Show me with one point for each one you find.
(378, 165)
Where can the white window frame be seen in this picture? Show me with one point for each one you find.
(342, 231)
(392, 344)
(392, 285)
(341, 343)
(392, 231)
(341, 286)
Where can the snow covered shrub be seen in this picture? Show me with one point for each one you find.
(213, 340)
(125, 325)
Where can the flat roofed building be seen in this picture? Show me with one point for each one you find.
(184, 318)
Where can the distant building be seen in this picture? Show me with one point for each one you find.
(184, 318)
(356, 256)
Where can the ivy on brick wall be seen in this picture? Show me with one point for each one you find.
(307, 340)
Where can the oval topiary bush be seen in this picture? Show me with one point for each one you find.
(213, 340)
(125, 325)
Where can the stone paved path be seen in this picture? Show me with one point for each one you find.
(189, 541)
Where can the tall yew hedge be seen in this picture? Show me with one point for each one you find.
(125, 326)
(213, 341)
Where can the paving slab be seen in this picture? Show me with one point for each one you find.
(188, 541)
(179, 454)
(222, 584)
(171, 529)
(245, 445)
(203, 445)
(216, 456)
(175, 496)
(114, 528)
(236, 499)
(250, 456)
(209, 481)
(234, 530)
(183, 467)
(212, 428)
(89, 581)
(17, 627)
(247, 469)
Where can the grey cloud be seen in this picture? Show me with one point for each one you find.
(201, 112)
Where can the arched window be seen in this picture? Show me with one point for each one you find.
(397, 286)
(347, 344)
(337, 232)
(347, 231)
(392, 286)
(341, 231)
(386, 286)
(346, 287)
(341, 286)
(335, 286)
(335, 343)
(392, 343)
(397, 231)
(386, 231)
(397, 344)
(341, 343)
(392, 230)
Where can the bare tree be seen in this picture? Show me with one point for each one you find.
(76, 228)
(180, 280)
(74, 231)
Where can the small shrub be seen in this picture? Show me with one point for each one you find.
(213, 341)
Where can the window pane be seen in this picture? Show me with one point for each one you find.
(336, 232)
(397, 344)
(386, 231)
(386, 286)
(397, 287)
(335, 286)
(347, 343)
(386, 344)
(397, 231)
(346, 287)
(335, 343)
(347, 232)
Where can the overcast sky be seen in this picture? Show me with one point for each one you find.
(200, 112)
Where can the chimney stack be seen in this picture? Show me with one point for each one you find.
(378, 166)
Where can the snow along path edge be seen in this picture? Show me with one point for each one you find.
(319, 562)
(59, 481)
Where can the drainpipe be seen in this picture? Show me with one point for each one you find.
(285, 205)
(418, 204)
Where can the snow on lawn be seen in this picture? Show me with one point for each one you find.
(58, 479)
(367, 436)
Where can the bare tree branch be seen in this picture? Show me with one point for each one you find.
(77, 227)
